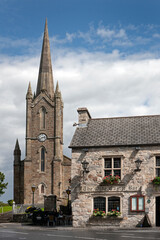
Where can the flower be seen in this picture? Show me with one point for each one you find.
(114, 213)
(97, 212)
(111, 179)
(156, 181)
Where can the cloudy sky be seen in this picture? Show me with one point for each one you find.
(105, 55)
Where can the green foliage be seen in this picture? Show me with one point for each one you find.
(97, 212)
(2, 184)
(2, 204)
(156, 181)
(114, 213)
(10, 202)
(5, 209)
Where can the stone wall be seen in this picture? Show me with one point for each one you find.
(84, 189)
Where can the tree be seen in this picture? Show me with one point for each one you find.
(2, 184)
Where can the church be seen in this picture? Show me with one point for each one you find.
(44, 166)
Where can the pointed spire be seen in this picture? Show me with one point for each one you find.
(45, 78)
(17, 151)
(57, 88)
(29, 92)
(17, 145)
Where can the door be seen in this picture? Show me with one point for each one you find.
(157, 211)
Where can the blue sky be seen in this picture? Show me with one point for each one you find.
(105, 55)
(80, 20)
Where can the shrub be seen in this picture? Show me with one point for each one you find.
(10, 202)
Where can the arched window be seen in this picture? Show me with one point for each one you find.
(42, 189)
(42, 118)
(42, 159)
(113, 203)
(100, 203)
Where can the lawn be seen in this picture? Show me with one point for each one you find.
(5, 209)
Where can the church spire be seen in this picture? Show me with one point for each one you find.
(57, 88)
(29, 92)
(45, 78)
(17, 151)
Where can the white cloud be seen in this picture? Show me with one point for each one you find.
(110, 33)
(70, 36)
(121, 34)
(107, 84)
(105, 33)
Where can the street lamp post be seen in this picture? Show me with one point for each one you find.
(68, 191)
(33, 190)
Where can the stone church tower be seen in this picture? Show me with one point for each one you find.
(45, 166)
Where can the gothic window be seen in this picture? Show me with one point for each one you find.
(112, 165)
(42, 159)
(137, 203)
(114, 203)
(42, 118)
(100, 203)
(42, 189)
(157, 166)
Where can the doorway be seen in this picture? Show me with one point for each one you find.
(157, 211)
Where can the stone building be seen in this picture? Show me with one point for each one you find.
(44, 166)
(116, 146)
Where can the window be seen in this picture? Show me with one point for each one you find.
(42, 118)
(157, 166)
(112, 166)
(113, 203)
(137, 203)
(42, 189)
(100, 203)
(42, 159)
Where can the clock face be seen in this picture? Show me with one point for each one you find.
(42, 137)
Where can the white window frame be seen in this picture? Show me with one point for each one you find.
(112, 169)
(111, 195)
(156, 167)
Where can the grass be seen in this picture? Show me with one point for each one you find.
(5, 209)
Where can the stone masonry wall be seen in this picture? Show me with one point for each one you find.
(84, 189)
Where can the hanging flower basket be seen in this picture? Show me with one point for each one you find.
(114, 213)
(98, 213)
(156, 181)
(111, 179)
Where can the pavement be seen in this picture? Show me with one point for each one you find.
(18, 231)
(30, 226)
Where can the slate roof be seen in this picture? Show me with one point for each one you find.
(121, 131)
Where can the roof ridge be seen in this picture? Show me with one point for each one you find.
(126, 117)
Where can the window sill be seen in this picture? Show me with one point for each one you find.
(104, 219)
(108, 184)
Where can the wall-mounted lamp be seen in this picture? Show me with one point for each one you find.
(85, 150)
(85, 166)
(138, 164)
(137, 148)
